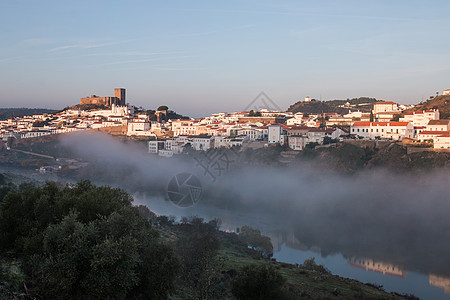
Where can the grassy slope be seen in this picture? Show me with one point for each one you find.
(300, 283)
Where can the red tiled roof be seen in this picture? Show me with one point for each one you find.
(436, 133)
(438, 122)
(365, 123)
(284, 126)
(385, 102)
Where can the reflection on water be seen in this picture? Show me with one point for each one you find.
(377, 266)
(288, 247)
(441, 282)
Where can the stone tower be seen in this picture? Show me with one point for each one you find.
(119, 93)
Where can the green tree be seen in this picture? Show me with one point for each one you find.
(371, 118)
(83, 241)
(163, 107)
(198, 248)
(252, 237)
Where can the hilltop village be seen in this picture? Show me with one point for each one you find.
(385, 120)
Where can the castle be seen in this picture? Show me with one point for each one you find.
(118, 99)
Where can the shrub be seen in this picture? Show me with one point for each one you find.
(258, 282)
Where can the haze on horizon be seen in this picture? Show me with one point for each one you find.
(199, 57)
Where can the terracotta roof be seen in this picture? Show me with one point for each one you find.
(438, 122)
(385, 102)
(436, 133)
(321, 130)
(365, 123)
(299, 127)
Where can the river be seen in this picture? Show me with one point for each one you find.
(388, 272)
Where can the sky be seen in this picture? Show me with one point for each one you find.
(199, 57)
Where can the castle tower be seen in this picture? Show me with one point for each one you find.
(119, 93)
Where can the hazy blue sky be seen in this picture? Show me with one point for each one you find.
(204, 56)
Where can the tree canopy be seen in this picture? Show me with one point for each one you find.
(78, 241)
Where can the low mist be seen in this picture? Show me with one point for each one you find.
(399, 218)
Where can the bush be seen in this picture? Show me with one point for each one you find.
(310, 264)
(258, 282)
(253, 238)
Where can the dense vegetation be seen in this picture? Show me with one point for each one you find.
(81, 240)
(350, 158)
(6, 113)
(331, 106)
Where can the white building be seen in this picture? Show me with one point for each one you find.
(446, 92)
(202, 143)
(276, 134)
(442, 141)
(386, 130)
(297, 142)
(184, 127)
(165, 153)
(420, 118)
(251, 133)
(155, 146)
(141, 128)
(316, 135)
(438, 125)
(296, 120)
(384, 106)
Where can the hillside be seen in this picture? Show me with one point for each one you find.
(332, 106)
(440, 102)
(354, 156)
(6, 113)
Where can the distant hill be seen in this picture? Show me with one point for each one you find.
(332, 106)
(440, 102)
(6, 113)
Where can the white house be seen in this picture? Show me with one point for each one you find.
(276, 134)
(202, 143)
(384, 106)
(139, 128)
(442, 141)
(297, 142)
(420, 118)
(438, 125)
(251, 133)
(296, 120)
(155, 146)
(446, 92)
(316, 135)
(387, 130)
(165, 153)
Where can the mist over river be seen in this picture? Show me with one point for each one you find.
(378, 226)
(372, 260)
(386, 228)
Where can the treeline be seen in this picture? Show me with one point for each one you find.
(331, 106)
(7, 113)
(81, 241)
